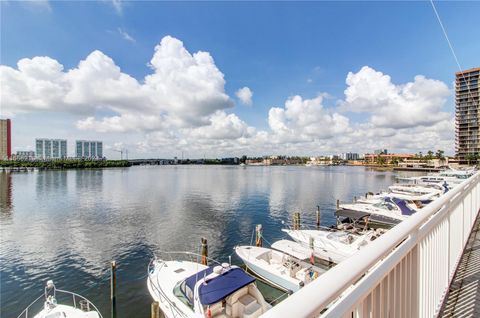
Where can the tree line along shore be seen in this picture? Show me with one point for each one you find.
(64, 164)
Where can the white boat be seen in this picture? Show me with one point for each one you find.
(80, 307)
(451, 176)
(280, 269)
(333, 246)
(190, 289)
(385, 210)
(431, 190)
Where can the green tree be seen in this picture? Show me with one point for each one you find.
(429, 155)
(439, 154)
(381, 160)
(395, 161)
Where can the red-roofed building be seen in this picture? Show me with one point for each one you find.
(388, 158)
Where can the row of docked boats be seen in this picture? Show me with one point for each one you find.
(190, 288)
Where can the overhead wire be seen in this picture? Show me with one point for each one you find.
(461, 71)
(451, 48)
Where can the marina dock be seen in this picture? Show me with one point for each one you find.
(408, 271)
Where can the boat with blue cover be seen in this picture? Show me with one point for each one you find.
(190, 289)
(387, 210)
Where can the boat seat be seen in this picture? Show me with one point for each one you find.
(247, 301)
(216, 309)
(253, 311)
(276, 259)
(234, 308)
(239, 293)
(247, 306)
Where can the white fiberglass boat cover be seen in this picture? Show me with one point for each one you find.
(293, 249)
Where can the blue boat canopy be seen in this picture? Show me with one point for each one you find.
(402, 205)
(219, 287)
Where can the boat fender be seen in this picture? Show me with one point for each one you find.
(209, 312)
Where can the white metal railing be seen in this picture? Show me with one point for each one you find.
(78, 302)
(404, 273)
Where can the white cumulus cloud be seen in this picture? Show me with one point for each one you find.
(183, 90)
(420, 102)
(305, 120)
(245, 95)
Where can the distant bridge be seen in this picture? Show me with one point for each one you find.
(138, 162)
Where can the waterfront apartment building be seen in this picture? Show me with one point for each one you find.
(5, 139)
(89, 149)
(50, 148)
(350, 156)
(467, 113)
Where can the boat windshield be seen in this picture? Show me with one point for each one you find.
(386, 204)
(181, 290)
(342, 237)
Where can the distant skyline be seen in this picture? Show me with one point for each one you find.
(221, 79)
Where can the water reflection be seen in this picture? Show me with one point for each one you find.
(68, 225)
(6, 201)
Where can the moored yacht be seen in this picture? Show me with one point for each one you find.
(190, 289)
(333, 246)
(384, 210)
(75, 307)
(285, 271)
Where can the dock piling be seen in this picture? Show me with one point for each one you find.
(318, 216)
(204, 251)
(113, 288)
(155, 310)
(296, 221)
(258, 235)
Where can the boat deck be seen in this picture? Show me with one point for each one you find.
(463, 298)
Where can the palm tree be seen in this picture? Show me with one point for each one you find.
(439, 154)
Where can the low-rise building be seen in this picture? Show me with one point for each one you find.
(391, 158)
(25, 155)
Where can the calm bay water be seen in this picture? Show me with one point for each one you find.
(68, 225)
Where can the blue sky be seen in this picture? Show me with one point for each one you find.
(276, 49)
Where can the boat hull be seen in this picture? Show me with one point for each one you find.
(273, 279)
